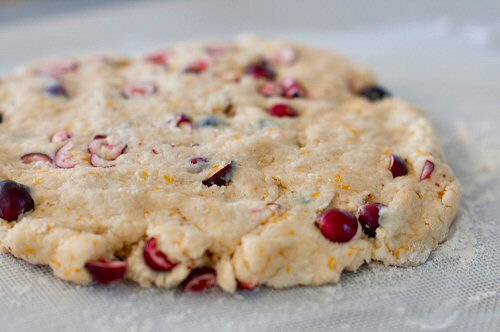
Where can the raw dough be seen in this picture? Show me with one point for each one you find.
(260, 228)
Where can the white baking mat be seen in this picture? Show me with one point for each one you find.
(449, 67)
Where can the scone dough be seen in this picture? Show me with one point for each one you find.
(261, 227)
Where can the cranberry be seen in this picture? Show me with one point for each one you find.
(221, 177)
(374, 92)
(34, 157)
(160, 58)
(247, 285)
(284, 56)
(105, 150)
(196, 67)
(200, 279)
(397, 166)
(57, 90)
(197, 164)
(107, 272)
(139, 89)
(181, 120)
(155, 258)
(58, 69)
(338, 225)
(261, 69)
(369, 218)
(15, 199)
(271, 89)
(64, 158)
(60, 136)
(292, 89)
(282, 110)
(217, 51)
(427, 170)
(97, 161)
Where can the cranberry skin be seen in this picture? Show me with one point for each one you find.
(369, 218)
(15, 199)
(282, 110)
(196, 67)
(338, 225)
(397, 166)
(34, 157)
(292, 88)
(247, 286)
(200, 279)
(261, 69)
(155, 258)
(427, 170)
(374, 93)
(159, 58)
(107, 272)
(222, 177)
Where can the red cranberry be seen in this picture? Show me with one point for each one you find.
(374, 93)
(292, 89)
(200, 279)
(397, 166)
(97, 161)
(261, 69)
(15, 199)
(338, 225)
(139, 89)
(369, 218)
(271, 89)
(427, 170)
(160, 58)
(34, 157)
(283, 110)
(196, 67)
(242, 285)
(181, 120)
(64, 158)
(105, 150)
(197, 164)
(107, 272)
(221, 177)
(155, 258)
(60, 136)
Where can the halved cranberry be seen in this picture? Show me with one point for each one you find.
(261, 69)
(160, 58)
(271, 89)
(107, 272)
(374, 93)
(200, 279)
(155, 258)
(222, 177)
(139, 89)
(34, 157)
(60, 136)
(182, 121)
(284, 56)
(197, 164)
(15, 199)
(397, 166)
(58, 68)
(242, 285)
(196, 67)
(57, 90)
(292, 89)
(369, 218)
(97, 161)
(64, 158)
(427, 170)
(282, 110)
(337, 225)
(105, 150)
